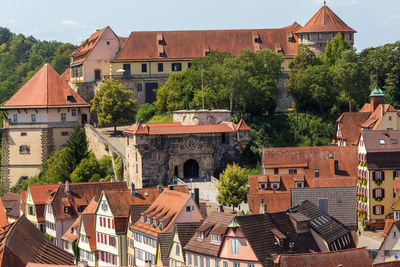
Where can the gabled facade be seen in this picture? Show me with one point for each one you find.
(378, 167)
(35, 204)
(171, 206)
(40, 117)
(12, 205)
(112, 216)
(68, 202)
(390, 247)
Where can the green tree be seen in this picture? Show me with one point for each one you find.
(75, 249)
(334, 49)
(113, 105)
(77, 146)
(145, 112)
(233, 188)
(61, 59)
(118, 167)
(86, 169)
(57, 167)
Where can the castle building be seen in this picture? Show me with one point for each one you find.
(197, 144)
(144, 60)
(40, 118)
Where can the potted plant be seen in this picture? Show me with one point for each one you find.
(378, 183)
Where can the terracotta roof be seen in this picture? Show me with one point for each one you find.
(193, 44)
(376, 117)
(46, 89)
(3, 215)
(257, 230)
(325, 20)
(70, 234)
(214, 219)
(66, 76)
(179, 128)
(387, 264)
(41, 193)
(329, 228)
(164, 240)
(342, 202)
(78, 197)
(355, 257)
(83, 51)
(165, 209)
(185, 232)
(12, 204)
(88, 222)
(314, 158)
(21, 242)
(350, 126)
(372, 141)
(388, 226)
(136, 210)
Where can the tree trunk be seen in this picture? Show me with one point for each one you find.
(115, 129)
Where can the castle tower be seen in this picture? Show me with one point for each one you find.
(321, 28)
(377, 98)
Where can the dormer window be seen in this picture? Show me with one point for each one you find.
(216, 239)
(382, 141)
(66, 210)
(104, 206)
(275, 185)
(200, 235)
(70, 98)
(160, 39)
(155, 222)
(148, 221)
(262, 186)
(141, 219)
(256, 38)
(161, 226)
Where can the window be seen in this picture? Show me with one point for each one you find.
(225, 264)
(64, 133)
(378, 176)
(309, 37)
(144, 67)
(394, 234)
(33, 117)
(200, 235)
(24, 149)
(235, 246)
(176, 66)
(189, 257)
(63, 117)
(378, 193)
(73, 112)
(216, 239)
(393, 141)
(127, 69)
(188, 209)
(236, 264)
(160, 67)
(378, 210)
(294, 171)
(66, 210)
(331, 36)
(390, 118)
(319, 36)
(142, 219)
(189, 64)
(275, 185)
(23, 134)
(276, 170)
(139, 87)
(195, 260)
(24, 178)
(201, 261)
(15, 118)
(262, 186)
(31, 210)
(177, 250)
(97, 75)
(382, 141)
(250, 265)
(299, 184)
(207, 262)
(323, 204)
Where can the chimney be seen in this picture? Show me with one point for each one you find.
(331, 164)
(316, 172)
(197, 197)
(263, 208)
(83, 264)
(67, 186)
(133, 192)
(350, 106)
(221, 208)
(171, 187)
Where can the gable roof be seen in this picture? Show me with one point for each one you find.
(179, 128)
(21, 242)
(46, 89)
(376, 117)
(215, 221)
(342, 201)
(185, 232)
(3, 215)
(88, 222)
(354, 257)
(12, 204)
(83, 51)
(373, 145)
(350, 126)
(182, 45)
(324, 225)
(260, 231)
(325, 20)
(164, 240)
(312, 158)
(66, 76)
(165, 209)
(79, 195)
(40, 193)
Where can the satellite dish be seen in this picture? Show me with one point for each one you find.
(121, 70)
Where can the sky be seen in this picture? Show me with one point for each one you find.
(376, 21)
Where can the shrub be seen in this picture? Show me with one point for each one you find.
(145, 112)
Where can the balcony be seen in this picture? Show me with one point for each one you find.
(137, 76)
(9, 124)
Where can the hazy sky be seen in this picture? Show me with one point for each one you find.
(376, 21)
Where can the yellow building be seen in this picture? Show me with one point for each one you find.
(40, 118)
(378, 153)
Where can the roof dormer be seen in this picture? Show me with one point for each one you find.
(256, 38)
(160, 39)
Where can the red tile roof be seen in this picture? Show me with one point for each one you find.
(376, 117)
(46, 89)
(83, 51)
(325, 20)
(23, 199)
(388, 226)
(354, 257)
(350, 127)
(41, 193)
(3, 215)
(179, 128)
(165, 209)
(11, 203)
(66, 76)
(194, 44)
(395, 263)
(21, 242)
(314, 158)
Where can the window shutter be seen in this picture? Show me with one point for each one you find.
(374, 210)
(373, 193)
(394, 174)
(383, 209)
(383, 193)
(373, 176)
(383, 175)
(101, 221)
